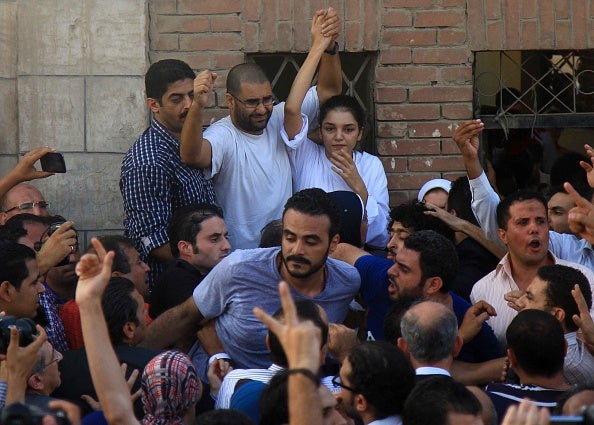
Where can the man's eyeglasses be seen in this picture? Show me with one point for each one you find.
(56, 357)
(337, 382)
(29, 205)
(254, 103)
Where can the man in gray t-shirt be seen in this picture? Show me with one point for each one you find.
(249, 278)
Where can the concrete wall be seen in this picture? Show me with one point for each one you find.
(71, 77)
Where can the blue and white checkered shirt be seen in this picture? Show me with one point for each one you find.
(154, 182)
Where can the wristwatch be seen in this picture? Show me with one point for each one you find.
(334, 50)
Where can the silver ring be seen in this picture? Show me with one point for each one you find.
(71, 249)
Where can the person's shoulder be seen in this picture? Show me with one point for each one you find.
(149, 149)
(340, 268)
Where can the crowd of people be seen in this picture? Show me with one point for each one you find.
(448, 309)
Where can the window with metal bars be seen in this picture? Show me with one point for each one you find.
(357, 75)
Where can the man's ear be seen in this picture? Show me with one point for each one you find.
(401, 343)
(129, 331)
(361, 403)
(229, 100)
(185, 247)
(457, 346)
(432, 285)
(334, 243)
(513, 362)
(153, 105)
(5, 289)
(35, 382)
(502, 235)
(559, 314)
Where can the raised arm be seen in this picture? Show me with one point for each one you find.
(25, 170)
(94, 271)
(195, 150)
(330, 75)
(466, 137)
(293, 121)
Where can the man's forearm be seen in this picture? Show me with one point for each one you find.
(329, 77)
(192, 148)
(173, 325)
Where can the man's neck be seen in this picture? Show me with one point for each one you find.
(523, 274)
(64, 292)
(202, 270)
(444, 364)
(175, 134)
(309, 286)
(555, 382)
(443, 298)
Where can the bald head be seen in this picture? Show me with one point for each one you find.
(429, 330)
(18, 195)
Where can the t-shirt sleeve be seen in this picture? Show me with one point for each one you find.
(215, 291)
(222, 142)
(374, 276)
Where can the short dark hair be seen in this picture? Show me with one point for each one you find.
(163, 73)
(430, 341)
(13, 261)
(437, 256)
(12, 234)
(460, 200)
(503, 213)
(343, 102)
(560, 281)
(274, 400)
(116, 243)
(186, 223)
(537, 340)
(244, 73)
(383, 374)
(119, 307)
(271, 234)
(18, 221)
(306, 310)
(315, 202)
(432, 399)
(412, 216)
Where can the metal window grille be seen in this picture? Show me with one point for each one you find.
(357, 74)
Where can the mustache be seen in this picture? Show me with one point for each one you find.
(298, 259)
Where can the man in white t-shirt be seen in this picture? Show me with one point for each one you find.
(243, 153)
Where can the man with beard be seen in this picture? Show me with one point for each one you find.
(153, 179)
(243, 153)
(247, 278)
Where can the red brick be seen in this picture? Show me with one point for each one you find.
(284, 9)
(407, 112)
(441, 94)
(251, 10)
(394, 165)
(397, 18)
(448, 146)
(456, 111)
(409, 4)
(163, 6)
(251, 36)
(493, 9)
(445, 56)
(177, 24)
(563, 35)
(451, 176)
(433, 129)
(495, 37)
(394, 56)
(371, 25)
(476, 25)
(209, 7)
(410, 181)
(456, 75)
(165, 42)
(424, 37)
(352, 10)
(212, 115)
(198, 61)
(226, 60)
(546, 24)
(563, 9)
(408, 147)
(512, 23)
(399, 197)
(528, 9)
(390, 129)
(221, 98)
(268, 33)
(579, 25)
(431, 163)
(390, 94)
(285, 36)
(205, 42)
(453, 3)
(226, 23)
(451, 37)
(353, 36)
(529, 31)
(406, 74)
(438, 18)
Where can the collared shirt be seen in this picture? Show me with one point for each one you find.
(431, 370)
(578, 367)
(56, 334)
(565, 246)
(154, 182)
(390, 420)
(499, 282)
(232, 378)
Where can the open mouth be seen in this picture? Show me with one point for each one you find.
(534, 244)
